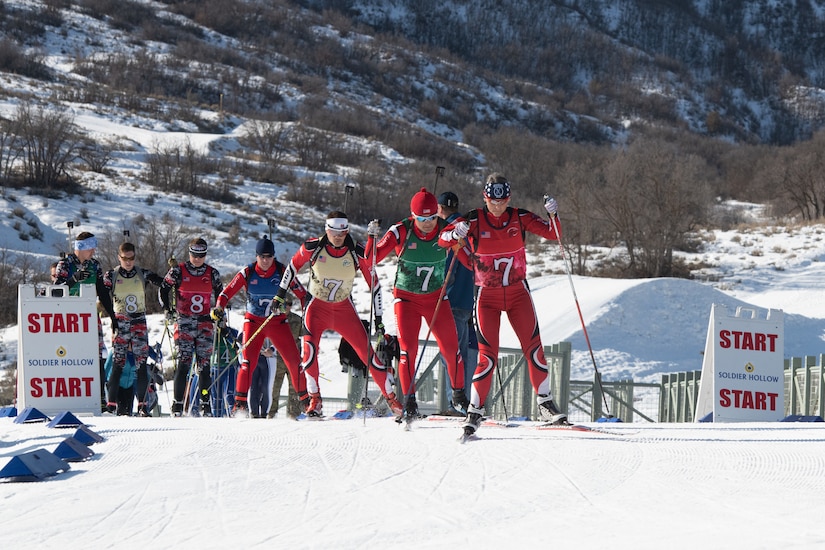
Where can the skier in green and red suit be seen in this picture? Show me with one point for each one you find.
(495, 238)
(422, 267)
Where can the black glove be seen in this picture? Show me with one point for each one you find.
(217, 314)
(115, 326)
(278, 306)
(81, 275)
(379, 325)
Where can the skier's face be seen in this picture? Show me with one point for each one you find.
(496, 206)
(197, 260)
(85, 255)
(265, 261)
(337, 237)
(426, 224)
(127, 260)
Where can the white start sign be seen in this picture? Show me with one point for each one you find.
(58, 365)
(743, 377)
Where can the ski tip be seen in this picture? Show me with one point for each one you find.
(468, 435)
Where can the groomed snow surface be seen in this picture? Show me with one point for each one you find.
(218, 483)
(231, 483)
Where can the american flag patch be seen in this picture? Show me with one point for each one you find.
(253, 282)
(412, 246)
(322, 258)
(485, 234)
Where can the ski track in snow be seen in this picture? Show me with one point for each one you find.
(342, 484)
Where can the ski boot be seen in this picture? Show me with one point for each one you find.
(459, 401)
(550, 413)
(471, 423)
(396, 407)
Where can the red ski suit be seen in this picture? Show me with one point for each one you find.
(418, 283)
(330, 306)
(497, 254)
(260, 287)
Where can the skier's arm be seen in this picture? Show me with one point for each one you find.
(105, 297)
(539, 226)
(452, 234)
(170, 282)
(152, 277)
(217, 284)
(375, 285)
(238, 282)
(299, 259)
(391, 240)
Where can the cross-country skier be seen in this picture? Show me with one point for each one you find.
(461, 292)
(81, 267)
(417, 289)
(334, 259)
(127, 287)
(495, 238)
(261, 281)
(195, 283)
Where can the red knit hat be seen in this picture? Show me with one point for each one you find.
(424, 203)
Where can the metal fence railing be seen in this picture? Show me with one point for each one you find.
(512, 393)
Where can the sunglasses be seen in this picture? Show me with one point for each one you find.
(266, 256)
(198, 254)
(128, 258)
(426, 218)
(334, 233)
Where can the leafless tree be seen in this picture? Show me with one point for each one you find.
(800, 175)
(49, 143)
(269, 138)
(96, 155)
(653, 194)
(10, 149)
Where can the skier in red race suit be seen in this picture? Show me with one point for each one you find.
(334, 260)
(495, 238)
(261, 280)
(418, 283)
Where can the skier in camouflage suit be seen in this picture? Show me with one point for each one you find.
(81, 267)
(127, 287)
(197, 285)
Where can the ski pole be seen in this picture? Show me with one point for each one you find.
(439, 171)
(254, 335)
(501, 389)
(365, 401)
(173, 348)
(579, 309)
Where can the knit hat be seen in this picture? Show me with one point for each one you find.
(448, 199)
(265, 246)
(424, 203)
